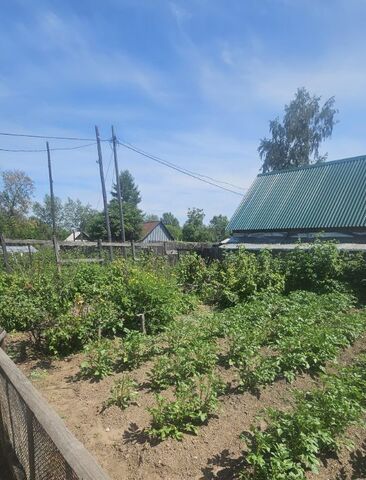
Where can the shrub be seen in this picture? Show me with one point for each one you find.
(318, 269)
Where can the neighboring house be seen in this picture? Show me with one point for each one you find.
(155, 232)
(77, 236)
(327, 199)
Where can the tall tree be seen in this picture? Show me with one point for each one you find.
(130, 191)
(169, 219)
(172, 224)
(217, 227)
(76, 215)
(193, 229)
(43, 212)
(296, 140)
(132, 215)
(150, 217)
(16, 193)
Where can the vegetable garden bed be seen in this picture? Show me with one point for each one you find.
(162, 371)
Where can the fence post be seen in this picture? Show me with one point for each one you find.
(5, 253)
(57, 256)
(133, 250)
(30, 255)
(100, 248)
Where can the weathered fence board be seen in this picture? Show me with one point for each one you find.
(33, 438)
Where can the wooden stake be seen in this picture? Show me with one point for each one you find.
(143, 324)
(104, 193)
(133, 250)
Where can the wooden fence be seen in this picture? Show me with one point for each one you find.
(98, 249)
(34, 442)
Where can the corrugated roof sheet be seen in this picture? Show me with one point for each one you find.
(321, 196)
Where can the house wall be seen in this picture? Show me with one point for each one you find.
(157, 235)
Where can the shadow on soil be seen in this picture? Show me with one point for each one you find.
(358, 461)
(135, 435)
(223, 467)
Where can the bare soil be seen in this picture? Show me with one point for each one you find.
(118, 441)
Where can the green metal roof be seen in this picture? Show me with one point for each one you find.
(321, 196)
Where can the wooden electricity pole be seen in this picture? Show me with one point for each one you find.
(119, 190)
(106, 215)
(53, 211)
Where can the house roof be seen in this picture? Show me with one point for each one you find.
(148, 227)
(321, 196)
(74, 236)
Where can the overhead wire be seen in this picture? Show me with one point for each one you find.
(40, 150)
(126, 144)
(50, 137)
(179, 169)
(198, 176)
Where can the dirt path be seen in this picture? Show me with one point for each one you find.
(117, 437)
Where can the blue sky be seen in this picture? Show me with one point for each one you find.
(193, 81)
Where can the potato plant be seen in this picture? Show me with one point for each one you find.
(123, 393)
(293, 441)
(194, 402)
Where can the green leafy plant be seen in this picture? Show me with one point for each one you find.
(195, 401)
(123, 393)
(100, 359)
(293, 441)
(187, 361)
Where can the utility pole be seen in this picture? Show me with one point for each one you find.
(119, 188)
(101, 171)
(53, 212)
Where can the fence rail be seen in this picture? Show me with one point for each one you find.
(172, 245)
(34, 441)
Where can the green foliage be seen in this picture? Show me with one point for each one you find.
(293, 441)
(234, 280)
(192, 272)
(301, 339)
(16, 193)
(298, 137)
(100, 358)
(217, 227)
(134, 349)
(123, 393)
(318, 269)
(194, 230)
(188, 360)
(63, 312)
(195, 401)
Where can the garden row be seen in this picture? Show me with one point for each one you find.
(269, 338)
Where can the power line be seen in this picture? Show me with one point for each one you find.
(23, 150)
(49, 137)
(178, 169)
(182, 168)
(203, 178)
